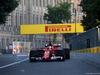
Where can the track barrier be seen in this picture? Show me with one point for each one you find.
(0, 53)
(89, 50)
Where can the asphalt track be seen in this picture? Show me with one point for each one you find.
(79, 64)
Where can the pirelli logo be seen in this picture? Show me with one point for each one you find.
(60, 28)
(52, 28)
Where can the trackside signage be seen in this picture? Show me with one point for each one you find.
(51, 28)
(59, 28)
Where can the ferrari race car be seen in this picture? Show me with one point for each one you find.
(50, 52)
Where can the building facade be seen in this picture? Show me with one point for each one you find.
(31, 12)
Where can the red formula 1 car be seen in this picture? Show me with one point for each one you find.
(50, 52)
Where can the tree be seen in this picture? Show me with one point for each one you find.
(6, 7)
(60, 13)
(91, 9)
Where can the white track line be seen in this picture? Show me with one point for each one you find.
(13, 63)
(22, 55)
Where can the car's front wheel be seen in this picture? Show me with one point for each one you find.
(32, 56)
(32, 59)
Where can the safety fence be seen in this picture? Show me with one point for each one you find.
(89, 50)
(21, 47)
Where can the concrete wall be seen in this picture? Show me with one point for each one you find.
(89, 39)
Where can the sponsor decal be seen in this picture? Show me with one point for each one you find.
(61, 28)
(90, 51)
(97, 50)
(46, 55)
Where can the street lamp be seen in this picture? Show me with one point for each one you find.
(75, 21)
(49, 22)
(74, 14)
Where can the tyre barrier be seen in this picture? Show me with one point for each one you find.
(89, 50)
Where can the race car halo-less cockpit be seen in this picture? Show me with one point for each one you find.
(50, 52)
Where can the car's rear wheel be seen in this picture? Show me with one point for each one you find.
(67, 53)
(68, 56)
(63, 59)
(62, 54)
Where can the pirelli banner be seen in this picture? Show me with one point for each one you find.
(51, 28)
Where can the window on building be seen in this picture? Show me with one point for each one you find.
(24, 2)
(16, 20)
(37, 19)
(36, 2)
(63, 0)
(47, 2)
(39, 41)
(2, 43)
(44, 3)
(78, 1)
(44, 22)
(40, 3)
(73, 7)
(81, 9)
(40, 20)
(35, 40)
(20, 2)
(69, 0)
(11, 19)
(33, 19)
(33, 2)
(25, 22)
(20, 19)
(50, 2)
(7, 42)
(78, 8)
(57, 1)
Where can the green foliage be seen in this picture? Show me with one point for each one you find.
(58, 14)
(6, 7)
(92, 10)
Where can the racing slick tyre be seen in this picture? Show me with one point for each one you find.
(67, 53)
(62, 54)
(32, 56)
